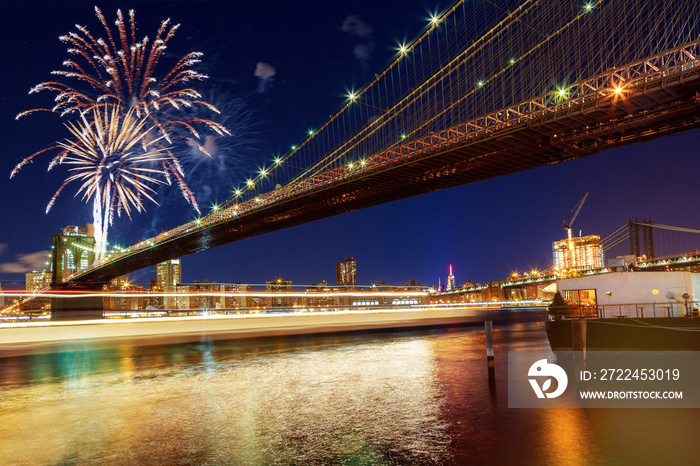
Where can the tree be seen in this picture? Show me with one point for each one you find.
(558, 307)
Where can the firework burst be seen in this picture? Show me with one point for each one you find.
(121, 70)
(115, 163)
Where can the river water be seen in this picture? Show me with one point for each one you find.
(418, 397)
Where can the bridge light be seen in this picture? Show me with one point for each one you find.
(434, 19)
(403, 136)
(263, 172)
(237, 192)
(352, 96)
(480, 84)
(350, 165)
(250, 182)
(588, 6)
(294, 147)
(562, 92)
(618, 90)
(512, 61)
(363, 162)
(278, 161)
(311, 132)
(403, 49)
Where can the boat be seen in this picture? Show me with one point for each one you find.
(638, 311)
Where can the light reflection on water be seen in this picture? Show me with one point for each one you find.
(403, 398)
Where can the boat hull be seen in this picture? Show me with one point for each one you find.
(659, 334)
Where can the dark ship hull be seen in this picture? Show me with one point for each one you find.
(659, 334)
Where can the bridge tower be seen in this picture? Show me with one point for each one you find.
(73, 250)
(644, 228)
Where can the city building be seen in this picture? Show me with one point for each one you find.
(168, 273)
(2, 298)
(73, 250)
(279, 286)
(313, 300)
(233, 300)
(37, 281)
(450, 281)
(346, 272)
(578, 253)
(127, 301)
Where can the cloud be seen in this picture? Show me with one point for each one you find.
(3, 246)
(361, 52)
(265, 72)
(24, 262)
(360, 35)
(354, 26)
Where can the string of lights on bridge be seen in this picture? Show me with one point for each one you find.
(405, 145)
(355, 96)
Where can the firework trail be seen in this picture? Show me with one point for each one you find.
(121, 70)
(115, 163)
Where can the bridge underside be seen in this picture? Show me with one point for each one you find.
(657, 110)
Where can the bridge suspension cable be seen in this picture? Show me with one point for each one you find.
(473, 58)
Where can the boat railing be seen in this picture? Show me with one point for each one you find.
(669, 309)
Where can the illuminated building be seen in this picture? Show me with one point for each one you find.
(168, 273)
(450, 281)
(279, 286)
(581, 253)
(73, 250)
(231, 301)
(2, 298)
(322, 301)
(346, 272)
(36, 281)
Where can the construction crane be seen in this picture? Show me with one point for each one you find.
(567, 226)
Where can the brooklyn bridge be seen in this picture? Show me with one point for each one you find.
(486, 90)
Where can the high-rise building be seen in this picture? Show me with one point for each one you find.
(578, 253)
(346, 272)
(168, 273)
(450, 281)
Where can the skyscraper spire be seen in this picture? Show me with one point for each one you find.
(450, 281)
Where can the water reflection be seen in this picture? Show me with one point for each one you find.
(337, 402)
(404, 398)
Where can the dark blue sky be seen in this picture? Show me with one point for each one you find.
(486, 230)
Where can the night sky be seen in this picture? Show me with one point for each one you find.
(486, 230)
